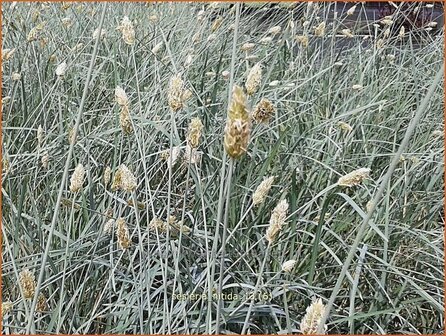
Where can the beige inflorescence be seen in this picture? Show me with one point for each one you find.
(28, 283)
(345, 127)
(354, 178)
(40, 134)
(238, 125)
(277, 220)
(263, 111)
(310, 322)
(288, 266)
(125, 121)
(174, 226)
(320, 29)
(77, 179)
(194, 132)
(6, 307)
(124, 179)
(122, 233)
(254, 79)
(124, 116)
(42, 304)
(127, 30)
(259, 195)
(107, 175)
(177, 94)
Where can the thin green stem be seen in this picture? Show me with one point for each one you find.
(256, 288)
(223, 248)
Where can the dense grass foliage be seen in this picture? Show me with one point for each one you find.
(341, 103)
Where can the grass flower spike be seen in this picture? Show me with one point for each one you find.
(28, 283)
(311, 320)
(288, 266)
(122, 232)
(277, 220)
(259, 195)
(254, 79)
(354, 178)
(127, 30)
(61, 69)
(121, 97)
(6, 307)
(77, 179)
(238, 125)
(263, 111)
(194, 132)
(177, 94)
(124, 179)
(124, 120)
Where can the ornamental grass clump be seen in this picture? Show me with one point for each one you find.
(238, 125)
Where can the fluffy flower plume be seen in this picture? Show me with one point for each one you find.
(217, 23)
(6, 307)
(7, 54)
(247, 46)
(157, 224)
(345, 127)
(238, 125)
(312, 318)
(122, 232)
(109, 225)
(40, 136)
(320, 29)
(124, 179)
(194, 132)
(274, 30)
(177, 94)
(351, 11)
(277, 220)
(28, 283)
(165, 155)
(61, 69)
(288, 266)
(192, 155)
(99, 34)
(354, 178)
(121, 97)
(124, 119)
(259, 195)
(45, 159)
(42, 304)
(127, 31)
(107, 175)
(347, 32)
(263, 111)
(303, 40)
(77, 179)
(254, 79)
